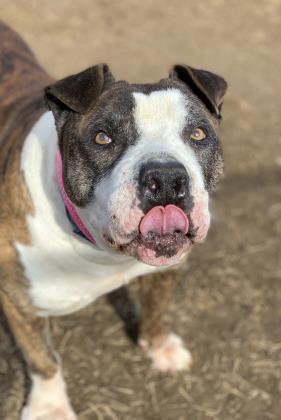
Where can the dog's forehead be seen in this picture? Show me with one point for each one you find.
(149, 106)
(159, 111)
(164, 101)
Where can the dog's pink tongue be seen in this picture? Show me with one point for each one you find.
(164, 220)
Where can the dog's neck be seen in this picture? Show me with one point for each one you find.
(78, 226)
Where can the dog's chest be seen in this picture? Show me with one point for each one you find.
(62, 272)
(61, 282)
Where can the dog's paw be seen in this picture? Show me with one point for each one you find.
(48, 400)
(45, 412)
(169, 355)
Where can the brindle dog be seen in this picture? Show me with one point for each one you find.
(111, 185)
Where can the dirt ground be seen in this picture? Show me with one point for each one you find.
(228, 305)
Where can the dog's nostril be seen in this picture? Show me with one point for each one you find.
(152, 185)
(180, 187)
(181, 193)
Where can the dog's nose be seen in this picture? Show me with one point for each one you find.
(163, 183)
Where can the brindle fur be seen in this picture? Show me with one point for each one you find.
(21, 84)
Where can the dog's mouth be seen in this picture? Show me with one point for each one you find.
(165, 234)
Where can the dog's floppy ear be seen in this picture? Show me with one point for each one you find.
(80, 91)
(209, 87)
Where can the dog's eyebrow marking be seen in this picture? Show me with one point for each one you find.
(160, 112)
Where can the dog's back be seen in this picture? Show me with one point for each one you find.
(21, 92)
(21, 103)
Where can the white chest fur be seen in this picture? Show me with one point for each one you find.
(64, 272)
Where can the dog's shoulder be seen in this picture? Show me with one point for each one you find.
(21, 90)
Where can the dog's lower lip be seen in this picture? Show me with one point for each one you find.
(191, 236)
(163, 245)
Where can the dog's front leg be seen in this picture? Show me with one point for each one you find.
(48, 398)
(165, 349)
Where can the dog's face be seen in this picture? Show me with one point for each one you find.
(139, 161)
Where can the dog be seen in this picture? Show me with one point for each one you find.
(102, 181)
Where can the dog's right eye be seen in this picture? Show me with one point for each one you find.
(102, 138)
(198, 134)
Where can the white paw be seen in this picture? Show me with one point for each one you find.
(48, 400)
(45, 412)
(170, 355)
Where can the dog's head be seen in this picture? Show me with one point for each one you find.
(139, 161)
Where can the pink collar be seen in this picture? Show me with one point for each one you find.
(72, 212)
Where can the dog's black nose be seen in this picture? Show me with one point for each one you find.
(163, 183)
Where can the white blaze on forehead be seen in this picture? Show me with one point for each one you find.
(160, 112)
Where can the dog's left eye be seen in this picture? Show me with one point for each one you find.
(198, 134)
(102, 138)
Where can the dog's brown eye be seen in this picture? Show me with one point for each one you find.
(198, 134)
(102, 138)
